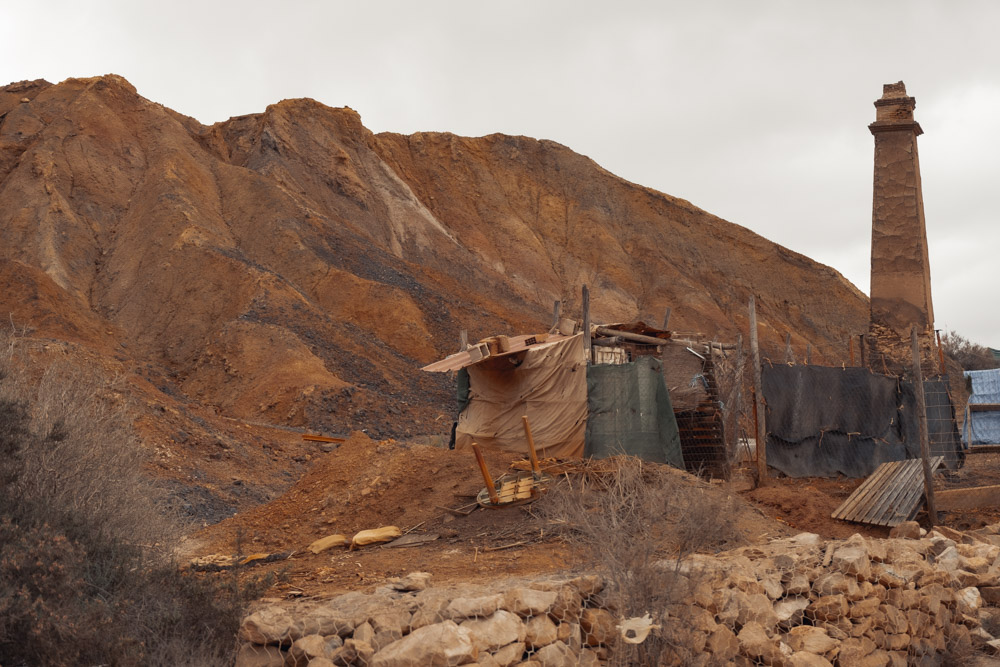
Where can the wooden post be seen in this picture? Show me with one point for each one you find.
(536, 470)
(918, 380)
(666, 318)
(789, 357)
(556, 311)
(850, 347)
(490, 488)
(944, 371)
(861, 346)
(586, 326)
(463, 340)
(758, 398)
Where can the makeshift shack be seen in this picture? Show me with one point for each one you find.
(618, 404)
(982, 413)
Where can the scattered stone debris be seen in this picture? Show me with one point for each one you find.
(910, 599)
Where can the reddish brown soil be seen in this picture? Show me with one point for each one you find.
(292, 268)
(408, 486)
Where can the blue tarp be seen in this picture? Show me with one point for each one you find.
(983, 428)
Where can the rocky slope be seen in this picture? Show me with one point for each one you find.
(293, 268)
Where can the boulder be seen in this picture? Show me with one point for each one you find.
(414, 581)
(804, 659)
(790, 611)
(811, 639)
(556, 654)
(365, 633)
(852, 558)
(909, 530)
(256, 655)
(539, 631)
(969, 600)
(478, 607)
(854, 650)
(500, 629)
(527, 602)
(509, 654)
(756, 645)
(837, 583)
(797, 584)
(353, 652)
(305, 649)
(599, 627)
(827, 608)
(443, 644)
(723, 644)
(270, 625)
(323, 621)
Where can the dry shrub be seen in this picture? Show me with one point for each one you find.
(86, 574)
(635, 522)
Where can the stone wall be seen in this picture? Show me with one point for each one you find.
(916, 598)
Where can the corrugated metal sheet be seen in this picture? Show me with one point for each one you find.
(890, 495)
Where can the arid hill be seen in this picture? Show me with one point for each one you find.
(293, 269)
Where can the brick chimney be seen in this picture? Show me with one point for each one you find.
(901, 274)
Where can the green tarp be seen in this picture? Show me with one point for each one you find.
(629, 412)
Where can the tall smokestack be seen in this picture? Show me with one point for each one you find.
(901, 273)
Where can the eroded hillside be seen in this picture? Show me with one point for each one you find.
(291, 268)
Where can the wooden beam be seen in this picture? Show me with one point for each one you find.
(951, 500)
(321, 438)
(918, 379)
(666, 318)
(984, 407)
(634, 337)
(586, 326)
(758, 398)
(556, 311)
(463, 340)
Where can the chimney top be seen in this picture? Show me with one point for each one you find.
(890, 90)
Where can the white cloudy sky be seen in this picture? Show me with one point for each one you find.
(754, 111)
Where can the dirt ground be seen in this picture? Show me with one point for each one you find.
(428, 492)
(425, 491)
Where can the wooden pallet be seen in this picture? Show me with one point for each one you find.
(890, 495)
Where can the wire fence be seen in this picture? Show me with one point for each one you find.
(831, 419)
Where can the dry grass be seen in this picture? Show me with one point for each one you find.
(634, 526)
(86, 575)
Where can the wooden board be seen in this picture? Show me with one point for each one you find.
(890, 496)
(951, 500)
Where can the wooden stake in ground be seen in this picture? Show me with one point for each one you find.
(586, 325)
(666, 318)
(492, 490)
(536, 469)
(556, 311)
(758, 398)
(918, 380)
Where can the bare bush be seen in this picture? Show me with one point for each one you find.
(634, 523)
(86, 572)
(970, 356)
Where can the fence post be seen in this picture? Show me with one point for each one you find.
(758, 398)
(918, 379)
(463, 340)
(556, 311)
(666, 318)
(586, 325)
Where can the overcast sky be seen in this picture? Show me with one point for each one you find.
(754, 111)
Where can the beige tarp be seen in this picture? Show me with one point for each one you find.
(548, 383)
